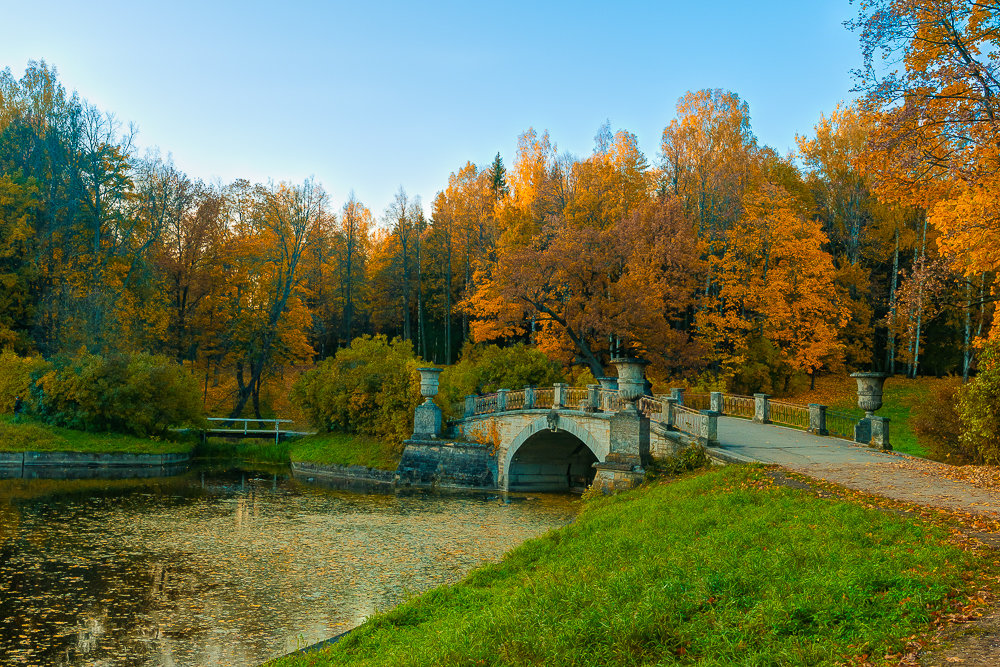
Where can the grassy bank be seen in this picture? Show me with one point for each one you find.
(33, 436)
(720, 568)
(251, 450)
(322, 448)
(345, 449)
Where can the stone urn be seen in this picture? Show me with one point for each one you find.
(608, 383)
(427, 415)
(870, 391)
(429, 383)
(631, 378)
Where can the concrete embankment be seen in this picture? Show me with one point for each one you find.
(352, 475)
(432, 464)
(74, 465)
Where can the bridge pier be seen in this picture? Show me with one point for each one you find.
(623, 467)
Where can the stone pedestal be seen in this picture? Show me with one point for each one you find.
(559, 395)
(715, 401)
(678, 394)
(880, 433)
(593, 398)
(668, 411)
(629, 437)
(611, 478)
(628, 443)
(872, 430)
(427, 420)
(427, 415)
(863, 431)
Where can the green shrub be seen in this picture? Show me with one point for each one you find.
(977, 409)
(15, 377)
(484, 369)
(371, 387)
(138, 394)
(690, 458)
(938, 423)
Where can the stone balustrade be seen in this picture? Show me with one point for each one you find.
(672, 412)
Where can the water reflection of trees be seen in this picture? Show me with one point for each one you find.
(231, 570)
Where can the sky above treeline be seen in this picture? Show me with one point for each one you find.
(368, 96)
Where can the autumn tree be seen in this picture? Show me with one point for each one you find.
(267, 322)
(930, 85)
(581, 285)
(356, 225)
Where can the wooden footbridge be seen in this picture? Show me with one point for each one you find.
(240, 427)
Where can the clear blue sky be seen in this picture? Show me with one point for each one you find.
(373, 95)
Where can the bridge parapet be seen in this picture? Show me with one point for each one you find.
(679, 411)
(668, 411)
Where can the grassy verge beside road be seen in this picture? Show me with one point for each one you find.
(718, 568)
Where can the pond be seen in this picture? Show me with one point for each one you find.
(228, 567)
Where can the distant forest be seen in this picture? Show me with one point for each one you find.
(719, 260)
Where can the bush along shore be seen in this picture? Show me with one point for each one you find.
(721, 567)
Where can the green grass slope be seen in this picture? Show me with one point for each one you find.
(720, 568)
(32, 436)
(345, 449)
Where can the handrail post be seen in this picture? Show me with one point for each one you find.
(817, 419)
(559, 395)
(529, 398)
(593, 397)
(715, 402)
(668, 407)
(502, 400)
(761, 408)
(470, 405)
(709, 435)
(677, 393)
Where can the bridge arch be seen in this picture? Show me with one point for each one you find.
(553, 453)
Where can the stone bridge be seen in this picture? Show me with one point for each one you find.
(565, 438)
(552, 438)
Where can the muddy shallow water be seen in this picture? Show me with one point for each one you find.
(228, 567)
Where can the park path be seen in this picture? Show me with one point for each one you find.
(888, 474)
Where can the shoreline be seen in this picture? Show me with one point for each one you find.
(69, 464)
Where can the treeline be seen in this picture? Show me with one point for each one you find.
(720, 260)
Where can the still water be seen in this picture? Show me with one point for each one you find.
(227, 567)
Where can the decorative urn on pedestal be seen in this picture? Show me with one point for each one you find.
(871, 430)
(427, 416)
(429, 382)
(628, 436)
(631, 379)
